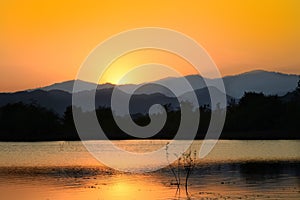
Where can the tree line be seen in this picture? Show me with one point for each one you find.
(254, 116)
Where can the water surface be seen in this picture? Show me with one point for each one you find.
(233, 170)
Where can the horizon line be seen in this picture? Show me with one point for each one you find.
(157, 80)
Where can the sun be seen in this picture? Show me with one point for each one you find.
(145, 66)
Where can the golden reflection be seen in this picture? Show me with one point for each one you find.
(135, 186)
(123, 188)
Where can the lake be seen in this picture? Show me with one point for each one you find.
(234, 169)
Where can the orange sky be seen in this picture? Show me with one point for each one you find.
(42, 42)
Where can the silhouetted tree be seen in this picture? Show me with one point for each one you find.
(28, 122)
(255, 112)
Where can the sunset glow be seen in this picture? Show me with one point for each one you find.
(129, 68)
(43, 42)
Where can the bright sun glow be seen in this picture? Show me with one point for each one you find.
(126, 69)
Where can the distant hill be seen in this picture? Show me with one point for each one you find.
(67, 86)
(270, 83)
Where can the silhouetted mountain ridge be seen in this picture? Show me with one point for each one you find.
(270, 83)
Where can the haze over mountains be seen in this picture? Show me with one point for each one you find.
(58, 96)
(270, 83)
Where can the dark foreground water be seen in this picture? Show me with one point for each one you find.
(65, 170)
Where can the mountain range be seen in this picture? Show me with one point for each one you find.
(59, 95)
(270, 83)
